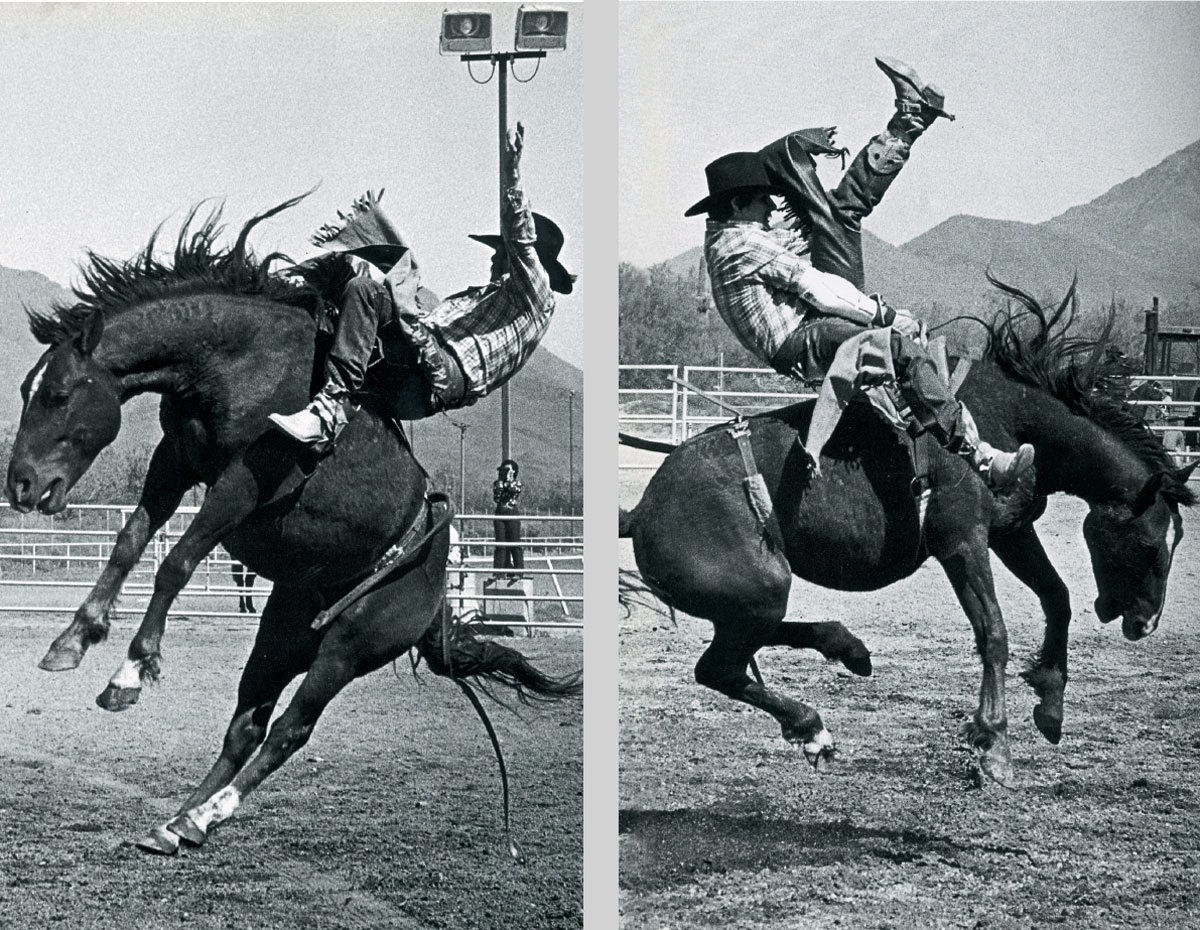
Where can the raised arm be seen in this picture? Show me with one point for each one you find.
(528, 276)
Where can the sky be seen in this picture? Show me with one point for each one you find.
(117, 118)
(1055, 102)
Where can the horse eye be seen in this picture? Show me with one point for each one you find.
(58, 398)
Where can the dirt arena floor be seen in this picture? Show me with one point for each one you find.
(390, 818)
(722, 824)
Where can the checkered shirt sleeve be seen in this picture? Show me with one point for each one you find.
(763, 289)
(493, 330)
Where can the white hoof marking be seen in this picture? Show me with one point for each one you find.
(216, 809)
(129, 675)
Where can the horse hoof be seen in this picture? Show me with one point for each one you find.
(185, 828)
(998, 767)
(858, 663)
(60, 659)
(819, 751)
(118, 699)
(1048, 724)
(160, 841)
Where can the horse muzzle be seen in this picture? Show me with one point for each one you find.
(25, 492)
(1134, 628)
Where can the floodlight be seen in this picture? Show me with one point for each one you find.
(466, 31)
(541, 27)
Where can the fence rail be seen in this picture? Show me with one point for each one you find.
(683, 413)
(41, 555)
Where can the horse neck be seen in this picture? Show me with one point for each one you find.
(1075, 455)
(188, 347)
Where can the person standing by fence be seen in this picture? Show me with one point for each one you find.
(506, 491)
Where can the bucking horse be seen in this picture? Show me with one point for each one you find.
(704, 546)
(225, 342)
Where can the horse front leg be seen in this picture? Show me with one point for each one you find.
(231, 499)
(722, 667)
(971, 576)
(166, 482)
(1023, 555)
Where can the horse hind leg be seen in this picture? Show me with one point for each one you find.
(722, 667)
(372, 632)
(829, 638)
(282, 650)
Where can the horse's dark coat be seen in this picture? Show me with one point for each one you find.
(855, 527)
(225, 343)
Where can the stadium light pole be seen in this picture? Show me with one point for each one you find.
(462, 465)
(538, 29)
(571, 446)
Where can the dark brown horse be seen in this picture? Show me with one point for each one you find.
(225, 343)
(856, 527)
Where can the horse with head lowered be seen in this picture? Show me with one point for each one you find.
(225, 342)
(703, 545)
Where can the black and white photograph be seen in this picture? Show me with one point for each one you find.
(909, 336)
(291, 393)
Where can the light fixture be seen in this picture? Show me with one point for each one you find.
(541, 28)
(466, 31)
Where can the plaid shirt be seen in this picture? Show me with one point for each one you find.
(492, 330)
(763, 289)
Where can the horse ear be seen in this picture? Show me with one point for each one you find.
(89, 336)
(1148, 493)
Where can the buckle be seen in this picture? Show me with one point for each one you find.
(907, 107)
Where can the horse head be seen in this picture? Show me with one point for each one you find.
(72, 410)
(1131, 543)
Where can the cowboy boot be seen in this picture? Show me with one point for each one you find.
(1000, 470)
(917, 104)
(321, 422)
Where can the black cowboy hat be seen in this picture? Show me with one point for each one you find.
(737, 171)
(549, 243)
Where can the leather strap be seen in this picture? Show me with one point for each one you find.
(399, 555)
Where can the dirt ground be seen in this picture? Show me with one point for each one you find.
(722, 824)
(390, 817)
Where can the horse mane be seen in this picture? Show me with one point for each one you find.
(1075, 369)
(197, 266)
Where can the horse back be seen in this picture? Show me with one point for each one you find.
(855, 526)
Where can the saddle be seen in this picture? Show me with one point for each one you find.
(862, 370)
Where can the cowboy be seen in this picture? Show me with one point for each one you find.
(794, 314)
(448, 356)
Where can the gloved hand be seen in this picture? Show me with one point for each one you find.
(906, 324)
(884, 315)
(900, 320)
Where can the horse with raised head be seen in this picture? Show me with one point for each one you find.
(856, 526)
(225, 343)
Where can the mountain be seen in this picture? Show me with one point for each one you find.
(540, 395)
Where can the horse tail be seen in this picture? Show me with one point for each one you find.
(625, 519)
(454, 651)
(650, 445)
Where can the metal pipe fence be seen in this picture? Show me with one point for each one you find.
(41, 555)
(745, 389)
